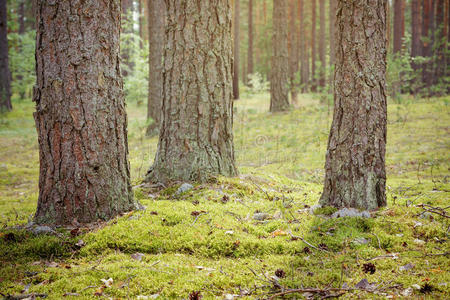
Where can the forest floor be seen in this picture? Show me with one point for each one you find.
(251, 236)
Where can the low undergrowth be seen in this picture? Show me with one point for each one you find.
(249, 236)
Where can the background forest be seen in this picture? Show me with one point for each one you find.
(257, 234)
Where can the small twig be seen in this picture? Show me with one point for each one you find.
(319, 291)
(25, 296)
(379, 243)
(306, 242)
(238, 217)
(196, 218)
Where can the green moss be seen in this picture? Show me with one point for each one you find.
(326, 210)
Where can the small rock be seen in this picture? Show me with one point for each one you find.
(261, 216)
(415, 286)
(80, 243)
(399, 235)
(313, 208)
(419, 242)
(43, 230)
(406, 292)
(230, 232)
(364, 283)
(406, 267)
(137, 256)
(350, 212)
(417, 224)
(230, 296)
(360, 241)
(184, 188)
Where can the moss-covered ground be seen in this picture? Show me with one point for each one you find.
(208, 240)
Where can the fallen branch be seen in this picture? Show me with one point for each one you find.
(310, 290)
(196, 218)
(306, 242)
(25, 296)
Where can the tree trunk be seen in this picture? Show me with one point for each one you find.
(21, 16)
(5, 74)
(293, 52)
(127, 5)
(156, 29)
(303, 49)
(196, 138)
(322, 43)
(415, 30)
(80, 113)
(250, 38)
(441, 41)
(399, 24)
(237, 13)
(355, 173)
(332, 19)
(427, 41)
(313, 46)
(279, 85)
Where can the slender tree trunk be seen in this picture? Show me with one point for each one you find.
(332, 20)
(399, 24)
(427, 40)
(237, 13)
(21, 16)
(250, 38)
(322, 43)
(293, 52)
(127, 5)
(30, 19)
(196, 138)
(5, 74)
(313, 46)
(156, 29)
(80, 113)
(441, 41)
(415, 30)
(355, 173)
(279, 84)
(303, 49)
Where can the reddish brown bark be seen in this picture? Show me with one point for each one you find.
(415, 30)
(80, 113)
(250, 38)
(399, 24)
(322, 43)
(313, 45)
(293, 51)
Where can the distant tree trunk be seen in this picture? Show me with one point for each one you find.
(332, 19)
(156, 29)
(427, 42)
(5, 74)
(196, 138)
(322, 43)
(313, 46)
(237, 13)
(355, 173)
(441, 42)
(140, 22)
(21, 16)
(415, 30)
(127, 5)
(399, 24)
(279, 85)
(303, 49)
(293, 52)
(250, 38)
(80, 113)
(30, 20)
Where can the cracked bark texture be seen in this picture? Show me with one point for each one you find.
(156, 28)
(196, 137)
(5, 74)
(355, 173)
(80, 113)
(279, 78)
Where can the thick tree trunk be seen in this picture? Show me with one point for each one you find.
(427, 40)
(5, 74)
(332, 20)
(355, 173)
(441, 40)
(313, 46)
(156, 29)
(293, 52)
(279, 84)
(399, 24)
(237, 13)
(250, 38)
(196, 138)
(80, 113)
(415, 30)
(322, 43)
